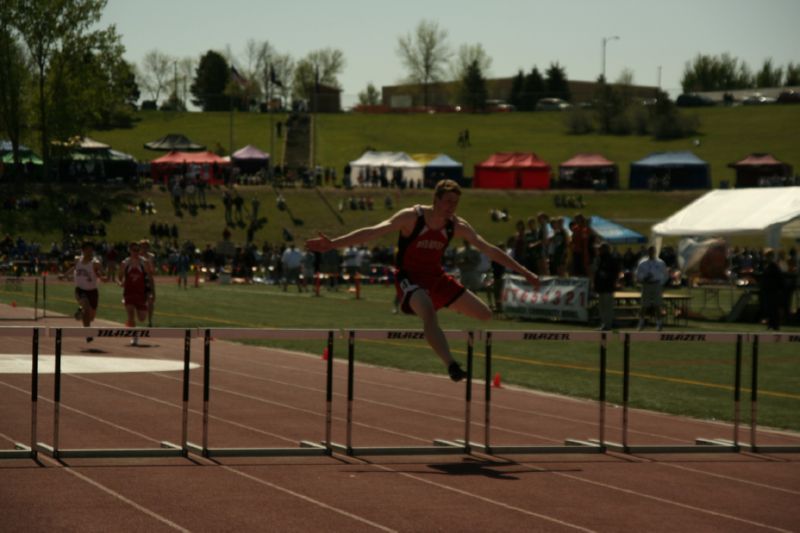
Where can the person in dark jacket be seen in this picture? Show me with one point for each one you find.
(771, 289)
(606, 269)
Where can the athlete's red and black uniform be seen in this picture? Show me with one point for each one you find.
(134, 285)
(419, 264)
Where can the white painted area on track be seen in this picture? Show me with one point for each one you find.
(88, 364)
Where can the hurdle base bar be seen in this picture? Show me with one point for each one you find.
(746, 446)
(440, 447)
(20, 451)
(702, 446)
(306, 449)
(167, 449)
(570, 446)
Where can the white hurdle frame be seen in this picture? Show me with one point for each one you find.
(306, 447)
(702, 445)
(167, 449)
(440, 446)
(537, 336)
(23, 451)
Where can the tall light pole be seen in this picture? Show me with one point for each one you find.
(605, 40)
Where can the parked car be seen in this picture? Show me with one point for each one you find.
(789, 97)
(693, 100)
(757, 99)
(552, 104)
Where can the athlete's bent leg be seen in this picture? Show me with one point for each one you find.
(421, 304)
(470, 305)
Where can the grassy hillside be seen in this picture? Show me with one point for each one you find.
(727, 135)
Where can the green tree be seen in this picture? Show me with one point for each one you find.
(473, 88)
(158, 71)
(424, 54)
(14, 82)
(318, 67)
(792, 75)
(467, 55)
(54, 30)
(533, 89)
(769, 75)
(556, 83)
(211, 79)
(516, 96)
(716, 73)
(369, 96)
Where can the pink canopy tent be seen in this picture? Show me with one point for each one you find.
(208, 165)
(512, 170)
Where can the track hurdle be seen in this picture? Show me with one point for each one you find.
(765, 338)
(23, 451)
(167, 449)
(440, 446)
(306, 447)
(537, 336)
(702, 445)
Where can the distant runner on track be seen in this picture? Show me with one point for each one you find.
(423, 287)
(86, 272)
(133, 274)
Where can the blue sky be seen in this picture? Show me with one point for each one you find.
(515, 33)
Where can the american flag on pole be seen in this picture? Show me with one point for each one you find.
(237, 78)
(273, 78)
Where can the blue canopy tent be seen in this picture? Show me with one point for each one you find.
(610, 231)
(670, 170)
(442, 167)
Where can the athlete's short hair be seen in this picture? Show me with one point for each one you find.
(445, 186)
(87, 244)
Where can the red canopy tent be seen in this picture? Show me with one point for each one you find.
(752, 169)
(207, 164)
(512, 170)
(584, 170)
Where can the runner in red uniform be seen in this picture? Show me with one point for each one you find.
(423, 285)
(133, 273)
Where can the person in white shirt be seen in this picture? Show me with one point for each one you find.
(652, 274)
(86, 272)
(292, 260)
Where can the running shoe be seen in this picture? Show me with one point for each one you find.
(455, 371)
(89, 339)
(135, 341)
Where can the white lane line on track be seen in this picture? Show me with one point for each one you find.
(111, 492)
(670, 502)
(307, 499)
(482, 498)
(729, 478)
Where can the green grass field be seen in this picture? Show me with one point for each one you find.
(695, 380)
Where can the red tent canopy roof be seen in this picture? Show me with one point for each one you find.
(588, 160)
(757, 160)
(178, 158)
(514, 160)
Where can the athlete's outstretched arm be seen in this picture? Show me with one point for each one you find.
(397, 222)
(465, 231)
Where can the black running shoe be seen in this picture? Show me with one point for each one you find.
(89, 339)
(455, 371)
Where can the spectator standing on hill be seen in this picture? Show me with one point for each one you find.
(651, 272)
(422, 284)
(227, 201)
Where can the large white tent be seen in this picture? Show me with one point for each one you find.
(772, 211)
(370, 160)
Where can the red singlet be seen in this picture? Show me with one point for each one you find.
(134, 285)
(419, 264)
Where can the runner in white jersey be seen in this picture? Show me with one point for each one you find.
(86, 272)
(150, 285)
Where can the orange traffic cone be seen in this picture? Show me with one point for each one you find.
(325, 354)
(496, 381)
(13, 303)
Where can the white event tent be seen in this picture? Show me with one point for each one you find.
(370, 160)
(772, 211)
